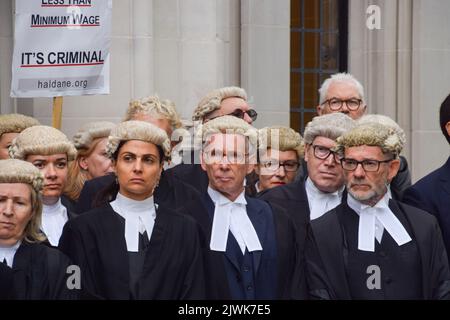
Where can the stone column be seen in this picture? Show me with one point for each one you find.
(265, 60)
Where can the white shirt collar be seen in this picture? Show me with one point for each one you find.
(139, 217)
(321, 202)
(8, 253)
(232, 216)
(373, 221)
(54, 217)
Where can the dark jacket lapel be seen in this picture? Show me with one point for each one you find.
(445, 179)
(260, 225)
(329, 238)
(114, 248)
(424, 244)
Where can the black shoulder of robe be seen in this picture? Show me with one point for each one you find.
(292, 197)
(325, 269)
(173, 267)
(40, 273)
(6, 282)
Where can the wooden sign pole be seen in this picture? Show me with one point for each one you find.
(57, 112)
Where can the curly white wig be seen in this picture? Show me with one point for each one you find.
(137, 130)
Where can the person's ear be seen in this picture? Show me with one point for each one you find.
(202, 161)
(307, 146)
(364, 109)
(319, 109)
(394, 166)
(113, 165)
(447, 127)
(83, 163)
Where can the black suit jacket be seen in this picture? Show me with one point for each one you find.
(292, 197)
(325, 254)
(291, 280)
(40, 273)
(172, 269)
(432, 194)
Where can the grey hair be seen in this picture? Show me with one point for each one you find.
(340, 77)
(330, 126)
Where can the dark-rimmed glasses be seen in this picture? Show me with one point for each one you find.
(367, 165)
(274, 165)
(336, 104)
(322, 153)
(239, 113)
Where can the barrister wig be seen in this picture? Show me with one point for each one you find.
(371, 134)
(91, 131)
(384, 120)
(137, 130)
(18, 171)
(213, 99)
(229, 125)
(282, 139)
(16, 123)
(156, 108)
(41, 140)
(330, 126)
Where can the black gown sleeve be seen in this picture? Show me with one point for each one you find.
(58, 264)
(440, 274)
(194, 281)
(6, 282)
(73, 245)
(316, 277)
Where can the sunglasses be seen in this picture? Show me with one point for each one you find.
(239, 113)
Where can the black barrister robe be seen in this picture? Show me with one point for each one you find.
(326, 253)
(6, 282)
(291, 283)
(40, 273)
(292, 197)
(172, 266)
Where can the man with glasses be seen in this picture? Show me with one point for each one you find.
(250, 251)
(224, 101)
(323, 188)
(280, 150)
(371, 246)
(217, 103)
(342, 92)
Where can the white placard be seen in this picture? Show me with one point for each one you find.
(61, 48)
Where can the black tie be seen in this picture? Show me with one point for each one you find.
(5, 262)
(143, 241)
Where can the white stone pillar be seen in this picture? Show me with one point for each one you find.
(265, 62)
(6, 48)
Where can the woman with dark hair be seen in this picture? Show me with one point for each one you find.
(131, 248)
